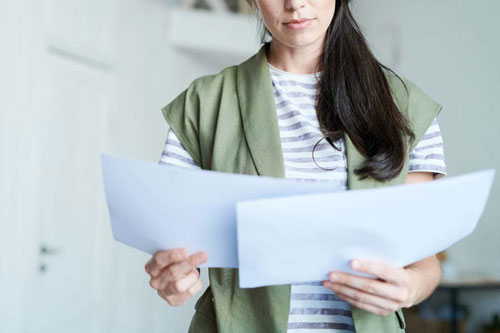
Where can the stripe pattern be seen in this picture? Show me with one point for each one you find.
(314, 308)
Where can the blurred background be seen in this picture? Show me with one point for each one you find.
(81, 77)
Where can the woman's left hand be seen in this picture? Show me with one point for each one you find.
(395, 288)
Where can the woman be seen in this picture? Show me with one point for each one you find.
(315, 80)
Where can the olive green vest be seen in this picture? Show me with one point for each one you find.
(228, 122)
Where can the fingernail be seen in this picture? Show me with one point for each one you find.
(334, 277)
(327, 284)
(356, 264)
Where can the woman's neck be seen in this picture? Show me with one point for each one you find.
(300, 60)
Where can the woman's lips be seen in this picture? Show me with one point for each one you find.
(299, 25)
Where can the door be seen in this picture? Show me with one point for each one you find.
(71, 98)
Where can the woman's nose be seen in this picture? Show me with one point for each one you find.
(294, 4)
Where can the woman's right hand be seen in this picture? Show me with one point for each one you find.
(173, 273)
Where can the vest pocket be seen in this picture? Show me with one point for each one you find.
(401, 319)
(204, 320)
(205, 304)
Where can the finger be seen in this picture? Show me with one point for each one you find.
(178, 270)
(162, 259)
(182, 285)
(375, 287)
(174, 299)
(195, 288)
(382, 270)
(367, 307)
(181, 269)
(179, 299)
(363, 297)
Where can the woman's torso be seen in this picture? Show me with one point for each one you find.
(313, 307)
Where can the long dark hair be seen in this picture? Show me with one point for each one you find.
(355, 98)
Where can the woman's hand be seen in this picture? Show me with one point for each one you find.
(174, 274)
(395, 288)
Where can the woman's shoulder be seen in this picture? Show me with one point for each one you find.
(418, 107)
(204, 90)
(225, 79)
(207, 84)
(409, 96)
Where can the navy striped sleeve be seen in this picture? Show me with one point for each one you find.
(428, 154)
(174, 153)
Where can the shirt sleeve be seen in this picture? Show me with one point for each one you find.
(428, 154)
(174, 153)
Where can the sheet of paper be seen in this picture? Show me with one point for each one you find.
(156, 207)
(303, 238)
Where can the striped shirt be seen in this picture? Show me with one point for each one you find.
(314, 308)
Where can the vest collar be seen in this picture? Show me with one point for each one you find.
(258, 113)
(260, 122)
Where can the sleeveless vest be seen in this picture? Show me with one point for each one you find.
(228, 122)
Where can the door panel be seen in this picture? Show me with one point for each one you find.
(72, 101)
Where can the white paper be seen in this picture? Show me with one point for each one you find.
(157, 207)
(303, 238)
